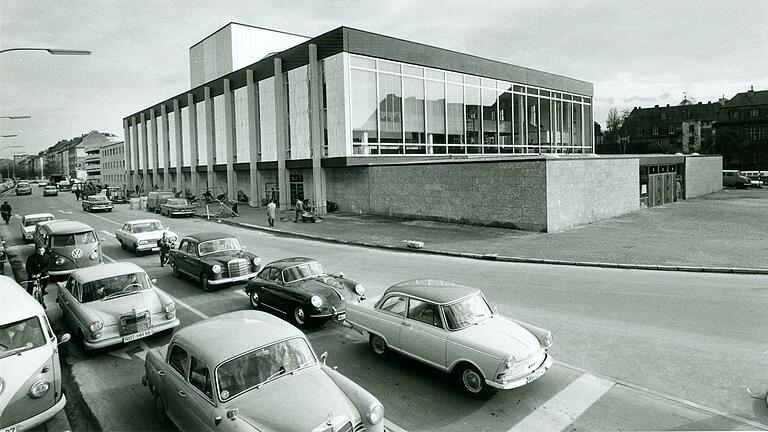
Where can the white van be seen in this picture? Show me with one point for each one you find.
(30, 374)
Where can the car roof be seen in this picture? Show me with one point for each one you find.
(201, 237)
(289, 262)
(137, 221)
(434, 290)
(66, 226)
(225, 336)
(38, 215)
(15, 303)
(101, 271)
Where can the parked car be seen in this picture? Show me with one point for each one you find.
(64, 185)
(42, 183)
(214, 259)
(50, 191)
(177, 207)
(250, 371)
(116, 195)
(734, 178)
(301, 289)
(3, 256)
(31, 392)
(114, 303)
(97, 202)
(755, 178)
(453, 328)
(71, 245)
(23, 188)
(157, 198)
(142, 235)
(29, 222)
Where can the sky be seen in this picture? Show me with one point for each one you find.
(636, 53)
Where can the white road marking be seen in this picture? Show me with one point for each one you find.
(565, 407)
(65, 212)
(122, 352)
(108, 233)
(108, 220)
(144, 348)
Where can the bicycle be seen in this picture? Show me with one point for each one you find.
(37, 288)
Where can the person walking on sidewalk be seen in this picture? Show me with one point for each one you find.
(6, 211)
(299, 209)
(77, 194)
(165, 248)
(271, 208)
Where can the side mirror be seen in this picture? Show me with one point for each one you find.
(154, 281)
(323, 357)
(64, 338)
(232, 414)
(341, 274)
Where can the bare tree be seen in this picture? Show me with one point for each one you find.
(613, 124)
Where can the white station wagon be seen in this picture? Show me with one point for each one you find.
(142, 235)
(453, 328)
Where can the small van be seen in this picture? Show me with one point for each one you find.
(157, 198)
(71, 245)
(31, 392)
(734, 178)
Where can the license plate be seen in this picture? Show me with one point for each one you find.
(535, 375)
(155, 249)
(341, 317)
(139, 335)
(10, 429)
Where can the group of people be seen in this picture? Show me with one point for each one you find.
(272, 210)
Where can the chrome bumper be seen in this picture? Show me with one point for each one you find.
(242, 278)
(116, 340)
(519, 382)
(39, 418)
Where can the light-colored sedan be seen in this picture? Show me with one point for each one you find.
(110, 304)
(453, 328)
(29, 222)
(251, 371)
(142, 235)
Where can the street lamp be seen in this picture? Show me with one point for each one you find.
(15, 117)
(51, 51)
(8, 136)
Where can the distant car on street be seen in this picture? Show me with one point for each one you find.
(97, 202)
(214, 259)
(64, 185)
(114, 303)
(734, 178)
(142, 235)
(50, 191)
(29, 222)
(23, 188)
(453, 328)
(301, 289)
(42, 183)
(177, 207)
(157, 198)
(250, 371)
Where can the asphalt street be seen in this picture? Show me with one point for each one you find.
(633, 349)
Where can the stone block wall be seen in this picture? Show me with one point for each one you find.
(584, 190)
(348, 187)
(703, 175)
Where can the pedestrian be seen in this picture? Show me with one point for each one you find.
(299, 209)
(137, 190)
(271, 207)
(234, 208)
(165, 248)
(6, 211)
(77, 194)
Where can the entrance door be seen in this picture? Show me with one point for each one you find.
(297, 187)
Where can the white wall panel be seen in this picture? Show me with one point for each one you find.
(186, 157)
(298, 99)
(172, 138)
(202, 142)
(267, 116)
(220, 125)
(336, 102)
(241, 125)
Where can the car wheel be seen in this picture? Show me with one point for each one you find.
(136, 249)
(160, 413)
(254, 299)
(378, 345)
(206, 285)
(472, 381)
(299, 317)
(175, 269)
(122, 245)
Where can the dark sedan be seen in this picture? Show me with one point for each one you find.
(177, 207)
(97, 202)
(214, 259)
(301, 289)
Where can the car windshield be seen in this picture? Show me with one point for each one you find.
(115, 286)
(218, 245)
(22, 184)
(466, 312)
(35, 220)
(58, 240)
(98, 198)
(177, 201)
(303, 271)
(143, 227)
(243, 373)
(20, 336)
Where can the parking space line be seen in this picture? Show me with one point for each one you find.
(566, 406)
(108, 233)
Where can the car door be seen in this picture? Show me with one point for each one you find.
(391, 314)
(189, 258)
(265, 281)
(175, 387)
(67, 302)
(120, 234)
(423, 334)
(196, 404)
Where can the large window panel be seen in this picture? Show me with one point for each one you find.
(490, 119)
(519, 120)
(545, 127)
(557, 137)
(473, 118)
(533, 123)
(578, 129)
(590, 127)
(566, 116)
(413, 113)
(390, 112)
(505, 121)
(435, 102)
(364, 109)
(455, 120)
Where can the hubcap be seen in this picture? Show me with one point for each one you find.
(472, 381)
(254, 300)
(299, 314)
(378, 344)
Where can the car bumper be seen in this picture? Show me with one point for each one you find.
(117, 340)
(100, 208)
(50, 194)
(181, 212)
(39, 418)
(148, 247)
(242, 278)
(521, 381)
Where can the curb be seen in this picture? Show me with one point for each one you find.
(495, 257)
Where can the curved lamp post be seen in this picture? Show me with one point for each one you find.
(51, 51)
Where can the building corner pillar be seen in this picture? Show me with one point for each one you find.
(179, 145)
(166, 142)
(210, 138)
(194, 158)
(281, 135)
(254, 137)
(316, 135)
(230, 140)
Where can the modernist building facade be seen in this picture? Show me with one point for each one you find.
(382, 125)
(113, 171)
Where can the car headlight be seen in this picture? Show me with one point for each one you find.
(173, 238)
(316, 301)
(142, 242)
(216, 268)
(28, 235)
(96, 326)
(94, 255)
(39, 388)
(547, 340)
(257, 261)
(375, 413)
(360, 290)
(170, 307)
(59, 261)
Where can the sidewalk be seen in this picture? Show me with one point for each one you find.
(721, 232)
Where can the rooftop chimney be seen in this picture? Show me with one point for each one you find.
(751, 92)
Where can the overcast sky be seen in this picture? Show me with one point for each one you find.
(637, 53)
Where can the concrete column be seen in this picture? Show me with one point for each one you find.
(316, 129)
(179, 144)
(281, 135)
(135, 153)
(254, 137)
(230, 138)
(127, 153)
(193, 154)
(166, 143)
(210, 138)
(153, 148)
(145, 180)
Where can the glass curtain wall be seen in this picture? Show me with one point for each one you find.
(436, 119)
(490, 122)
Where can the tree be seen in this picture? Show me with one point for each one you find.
(613, 125)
